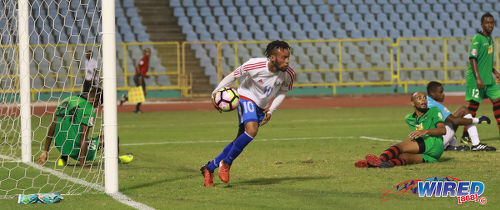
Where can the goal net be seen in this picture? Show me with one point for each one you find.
(60, 34)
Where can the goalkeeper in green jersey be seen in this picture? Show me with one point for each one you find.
(70, 127)
(426, 139)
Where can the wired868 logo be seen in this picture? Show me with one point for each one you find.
(464, 191)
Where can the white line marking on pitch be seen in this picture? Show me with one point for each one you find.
(378, 139)
(117, 196)
(274, 139)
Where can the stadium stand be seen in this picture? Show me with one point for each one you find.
(334, 19)
(245, 20)
(75, 22)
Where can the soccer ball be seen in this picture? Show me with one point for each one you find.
(227, 99)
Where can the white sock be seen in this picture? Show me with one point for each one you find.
(472, 130)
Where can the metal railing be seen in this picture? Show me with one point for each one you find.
(64, 65)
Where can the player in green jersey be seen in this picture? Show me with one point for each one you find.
(71, 125)
(480, 82)
(425, 143)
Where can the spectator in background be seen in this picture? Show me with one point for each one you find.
(141, 71)
(91, 75)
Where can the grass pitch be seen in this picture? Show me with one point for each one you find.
(302, 159)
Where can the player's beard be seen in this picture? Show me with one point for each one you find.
(280, 69)
(423, 110)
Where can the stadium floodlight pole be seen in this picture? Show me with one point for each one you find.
(24, 81)
(109, 89)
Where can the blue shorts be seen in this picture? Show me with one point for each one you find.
(248, 111)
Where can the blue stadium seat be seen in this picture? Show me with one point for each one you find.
(437, 8)
(201, 3)
(218, 11)
(205, 11)
(324, 10)
(215, 3)
(232, 11)
(271, 10)
(175, 3)
(338, 9)
(297, 10)
(245, 11)
(187, 3)
(258, 11)
(350, 9)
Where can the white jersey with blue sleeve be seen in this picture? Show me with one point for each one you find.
(433, 103)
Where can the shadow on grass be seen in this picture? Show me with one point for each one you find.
(188, 175)
(445, 159)
(491, 139)
(276, 180)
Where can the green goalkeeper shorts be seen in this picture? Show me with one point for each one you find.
(433, 149)
(91, 150)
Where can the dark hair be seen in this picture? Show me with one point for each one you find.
(277, 44)
(432, 86)
(486, 15)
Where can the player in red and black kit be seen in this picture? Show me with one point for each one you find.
(141, 71)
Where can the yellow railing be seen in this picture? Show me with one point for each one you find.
(72, 63)
(394, 66)
(341, 62)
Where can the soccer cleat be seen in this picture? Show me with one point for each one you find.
(224, 171)
(138, 111)
(484, 119)
(61, 162)
(463, 148)
(452, 148)
(466, 140)
(385, 164)
(123, 99)
(208, 175)
(483, 147)
(373, 160)
(127, 158)
(361, 164)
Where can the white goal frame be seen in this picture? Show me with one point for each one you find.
(109, 88)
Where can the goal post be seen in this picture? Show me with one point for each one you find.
(109, 88)
(24, 80)
(43, 47)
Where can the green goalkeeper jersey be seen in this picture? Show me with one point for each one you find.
(482, 48)
(73, 112)
(427, 121)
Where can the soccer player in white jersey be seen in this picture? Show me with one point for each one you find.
(461, 116)
(262, 79)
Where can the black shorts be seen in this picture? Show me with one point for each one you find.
(138, 77)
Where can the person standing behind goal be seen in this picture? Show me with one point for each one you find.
(91, 75)
(141, 71)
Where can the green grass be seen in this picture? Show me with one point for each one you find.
(277, 170)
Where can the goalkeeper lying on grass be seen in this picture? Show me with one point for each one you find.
(70, 127)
